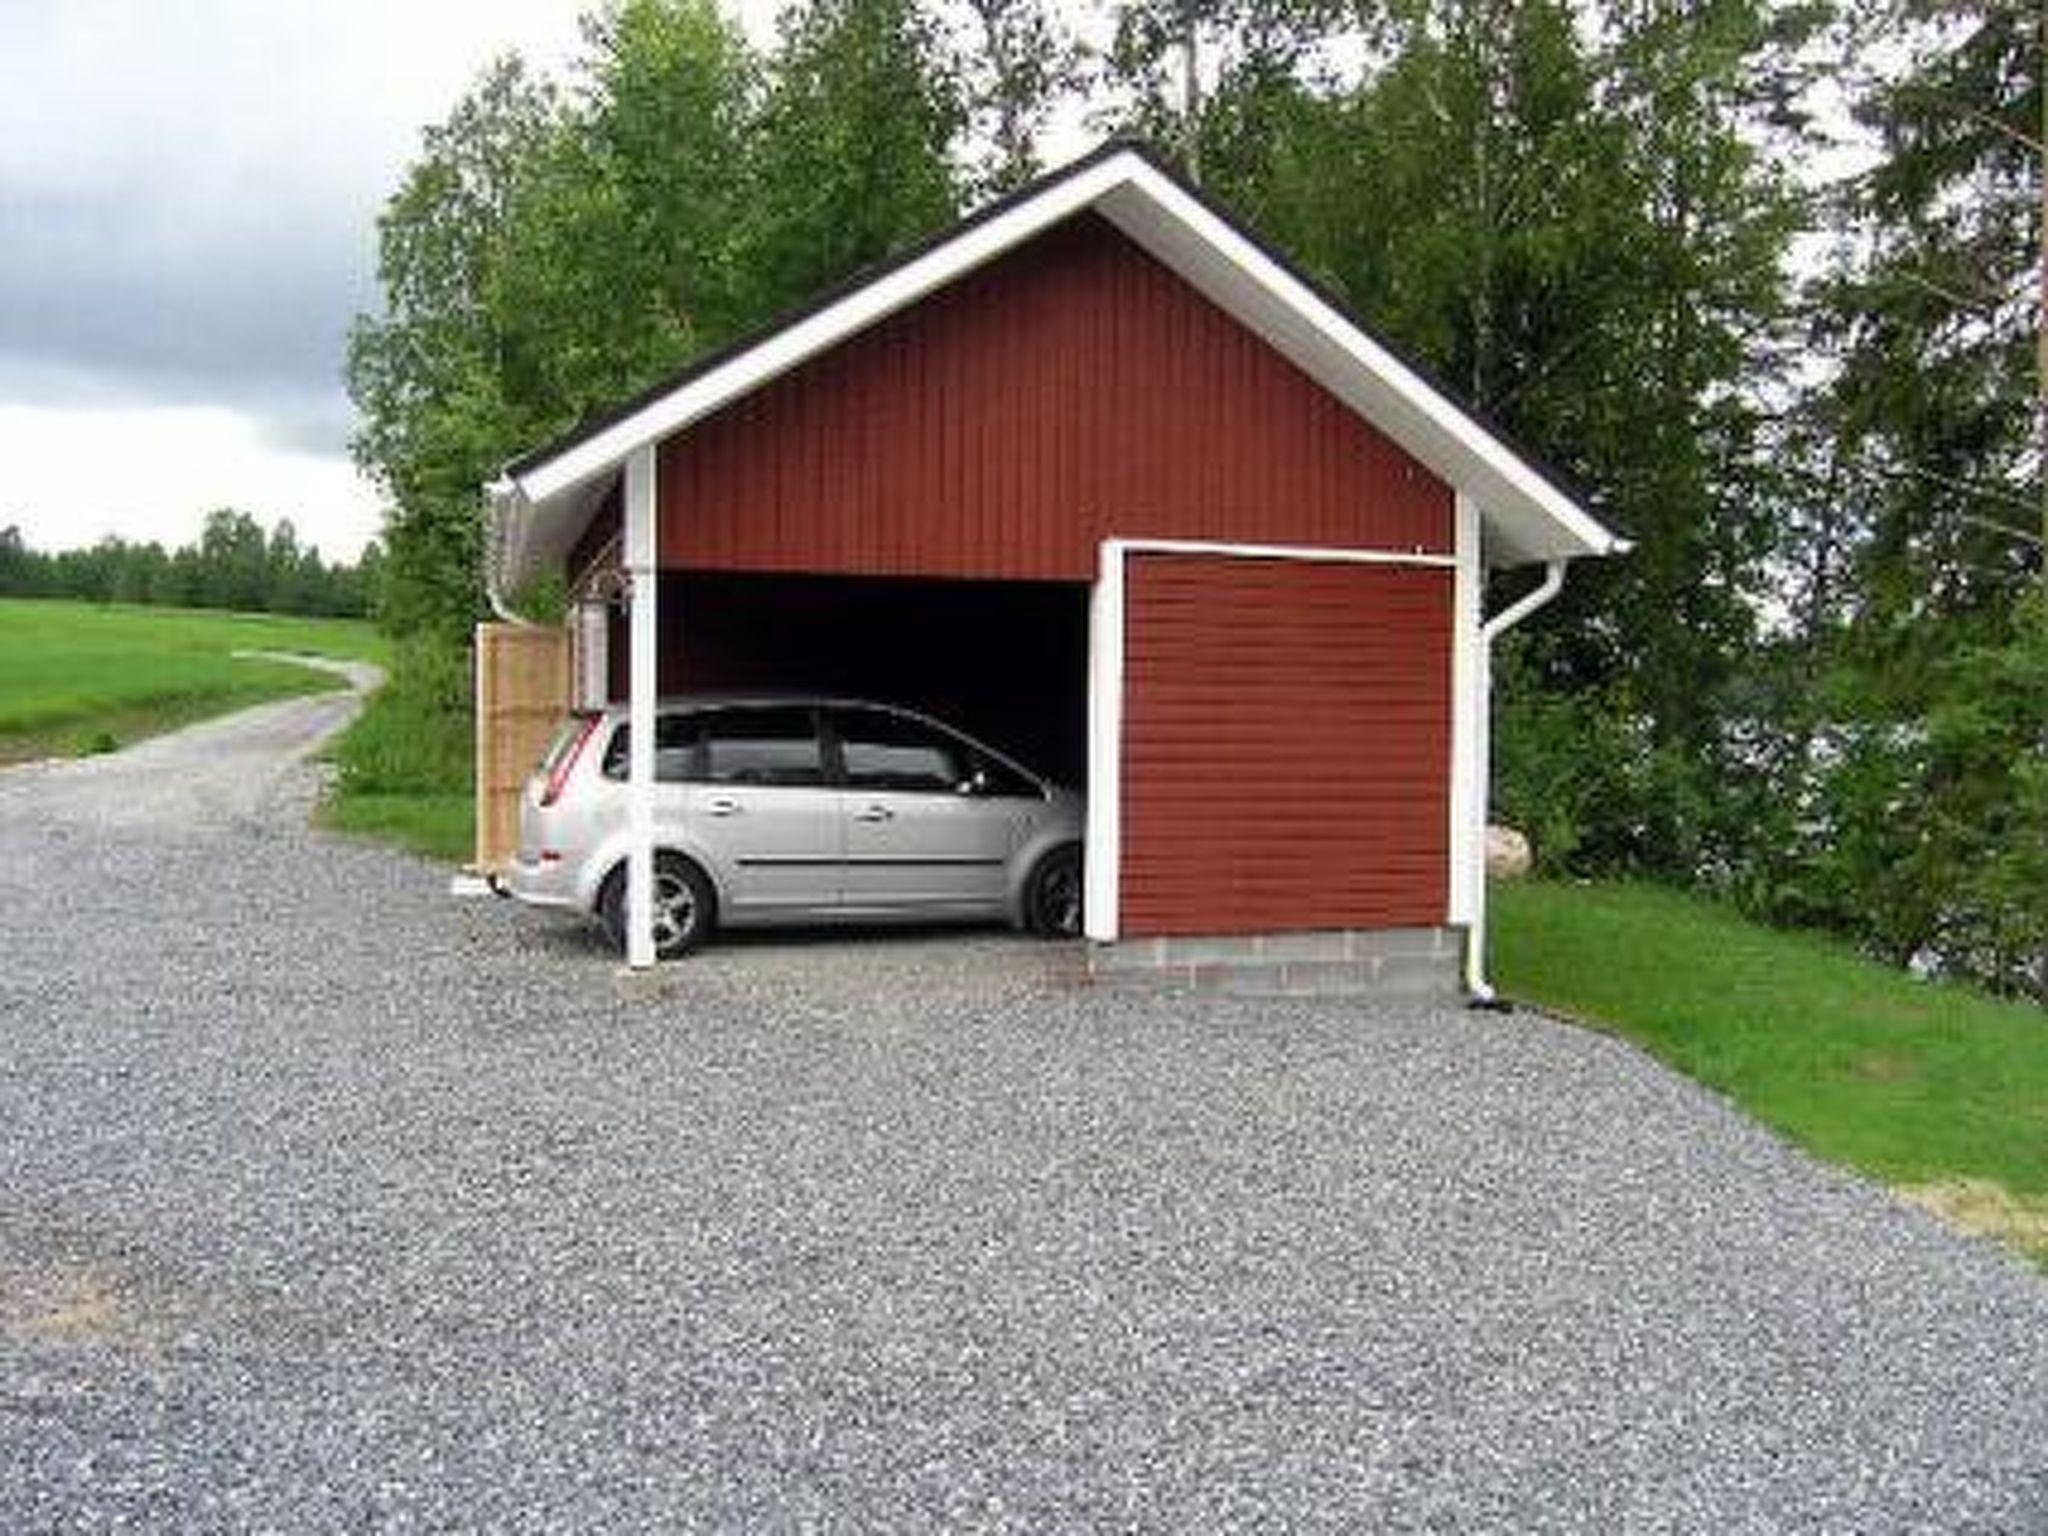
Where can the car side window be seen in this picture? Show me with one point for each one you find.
(882, 750)
(886, 751)
(999, 779)
(767, 745)
(678, 750)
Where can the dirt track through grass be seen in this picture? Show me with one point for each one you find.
(83, 677)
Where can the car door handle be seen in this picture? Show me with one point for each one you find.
(721, 807)
(875, 813)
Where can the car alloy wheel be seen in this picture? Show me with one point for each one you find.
(1055, 903)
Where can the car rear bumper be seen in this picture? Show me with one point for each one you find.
(539, 882)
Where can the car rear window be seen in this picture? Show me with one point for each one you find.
(567, 734)
(750, 744)
(678, 749)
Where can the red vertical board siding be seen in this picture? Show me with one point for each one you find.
(1072, 390)
(1286, 747)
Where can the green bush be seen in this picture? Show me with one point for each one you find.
(417, 734)
(404, 769)
(1567, 770)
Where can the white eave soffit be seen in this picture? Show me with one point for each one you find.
(1527, 517)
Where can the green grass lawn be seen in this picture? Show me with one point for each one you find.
(88, 677)
(1935, 1089)
(404, 767)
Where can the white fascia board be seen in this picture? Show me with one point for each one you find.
(1318, 553)
(542, 535)
(1535, 517)
(786, 349)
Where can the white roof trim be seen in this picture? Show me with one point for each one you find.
(1527, 516)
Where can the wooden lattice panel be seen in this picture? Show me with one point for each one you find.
(522, 692)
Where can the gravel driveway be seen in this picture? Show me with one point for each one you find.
(330, 1203)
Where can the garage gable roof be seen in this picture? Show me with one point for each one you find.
(540, 503)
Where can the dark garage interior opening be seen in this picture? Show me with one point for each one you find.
(1005, 661)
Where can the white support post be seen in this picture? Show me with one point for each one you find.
(643, 683)
(1469, 725)
(1100, 918)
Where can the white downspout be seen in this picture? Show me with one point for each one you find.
(641, 564)
(1475, 934)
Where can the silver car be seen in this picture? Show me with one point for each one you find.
(784, 811)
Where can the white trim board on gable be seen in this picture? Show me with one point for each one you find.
(539, 506)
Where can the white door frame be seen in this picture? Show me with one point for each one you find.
(1102, 895)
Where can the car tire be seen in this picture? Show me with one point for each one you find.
(685, 906)
(1052, 895)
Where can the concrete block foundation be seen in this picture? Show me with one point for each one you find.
(1382, 962)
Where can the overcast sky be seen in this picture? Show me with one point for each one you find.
(188, 197)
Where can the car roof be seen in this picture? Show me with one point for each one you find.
(616, 715)
(725, 698)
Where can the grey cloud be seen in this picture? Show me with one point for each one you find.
(188, 195)
(189, 192)
(307, 423)
(235, 314)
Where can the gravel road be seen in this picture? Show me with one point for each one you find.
(330, 1203)
(246, 769)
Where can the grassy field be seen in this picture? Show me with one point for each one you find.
(1936, 1090)
(83, 677)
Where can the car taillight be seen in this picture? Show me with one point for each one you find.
(558, 776)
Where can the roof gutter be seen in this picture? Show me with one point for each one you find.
(502, 497)
(1476, 984)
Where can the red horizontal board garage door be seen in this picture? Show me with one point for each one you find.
(1286, 745)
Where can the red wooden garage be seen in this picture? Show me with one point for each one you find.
(1101, 478)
